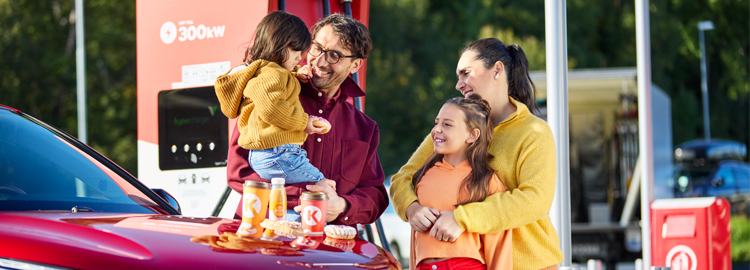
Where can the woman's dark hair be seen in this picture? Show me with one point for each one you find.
(276, 32)
(520, 86)
(476, 184)
(353, 34)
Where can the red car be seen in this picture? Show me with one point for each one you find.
(65, 206)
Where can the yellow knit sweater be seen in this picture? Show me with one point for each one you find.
(270, 114)
(524, 152)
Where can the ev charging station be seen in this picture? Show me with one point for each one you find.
(182, 46)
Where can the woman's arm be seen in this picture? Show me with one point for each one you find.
(531, 201)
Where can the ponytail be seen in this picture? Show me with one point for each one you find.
(520, 86)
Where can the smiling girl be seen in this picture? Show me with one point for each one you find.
(457, 173)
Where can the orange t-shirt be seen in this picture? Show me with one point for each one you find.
(439, 189)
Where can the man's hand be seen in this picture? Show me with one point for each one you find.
(336, 204)
(330, 183)
(446, 228)
(421, 217)
(304, 73)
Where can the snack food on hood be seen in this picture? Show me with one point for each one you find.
(340, 231)
(344, 244)
(284, 227)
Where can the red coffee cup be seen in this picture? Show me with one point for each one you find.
(314, 207)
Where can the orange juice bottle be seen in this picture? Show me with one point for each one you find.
(277, 200)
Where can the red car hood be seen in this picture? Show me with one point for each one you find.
(115, 241)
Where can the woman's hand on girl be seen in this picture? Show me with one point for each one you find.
(446, 228)
(421, 217)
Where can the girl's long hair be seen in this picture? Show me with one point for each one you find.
(277, 31)
(520, 86)
(476, 184)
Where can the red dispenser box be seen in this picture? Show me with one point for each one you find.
(691, 234)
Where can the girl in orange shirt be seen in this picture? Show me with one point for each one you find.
(457, 173)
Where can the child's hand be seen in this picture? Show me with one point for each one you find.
(421, 217)
(310, 129)
(304, 73)
(446, 228)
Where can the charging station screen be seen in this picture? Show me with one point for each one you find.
(192, 129)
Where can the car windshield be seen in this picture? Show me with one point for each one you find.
(40, 171)
(696, 175)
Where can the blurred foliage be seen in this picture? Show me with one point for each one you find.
(417, 45)
(38, 67)
(740, 238)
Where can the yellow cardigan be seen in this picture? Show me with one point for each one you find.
(524, 152)
(270, 114)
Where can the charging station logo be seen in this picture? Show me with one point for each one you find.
(168, 32)
(188, 31)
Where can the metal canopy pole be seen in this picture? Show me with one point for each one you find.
(702, 27)
(348, 11)
(557, 108)
(358, 104)
(326, 8)
(645, 152)
(80, 72)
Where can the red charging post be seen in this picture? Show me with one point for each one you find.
(691, 234)
(182, 47)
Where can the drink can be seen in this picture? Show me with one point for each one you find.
(314, 207)
(254, 207)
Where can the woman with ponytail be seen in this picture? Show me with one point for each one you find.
(524, 158)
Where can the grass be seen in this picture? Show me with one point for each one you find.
(740, 238)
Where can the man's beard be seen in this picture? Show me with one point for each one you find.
(334, 80)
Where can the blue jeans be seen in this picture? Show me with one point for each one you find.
(287, 161)
(293, 216)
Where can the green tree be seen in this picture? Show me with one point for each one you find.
(38, 67)
(417, 44)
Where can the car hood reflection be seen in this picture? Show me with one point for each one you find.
(163, 240)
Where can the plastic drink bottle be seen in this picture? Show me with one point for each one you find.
(277, 200)
(276, 205)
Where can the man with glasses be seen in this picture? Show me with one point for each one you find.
(348, 153)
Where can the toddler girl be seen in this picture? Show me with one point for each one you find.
(264, 92)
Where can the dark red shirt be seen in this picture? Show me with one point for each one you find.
(347, 154)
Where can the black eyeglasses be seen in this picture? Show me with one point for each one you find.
(332, 57)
